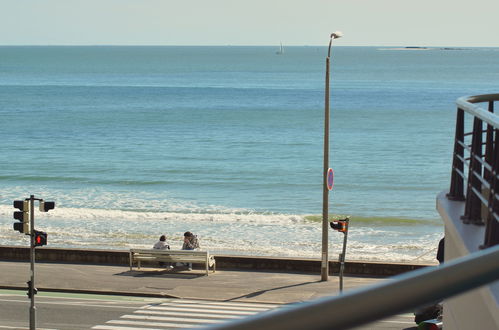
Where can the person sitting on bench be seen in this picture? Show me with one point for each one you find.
(190, 243)
(162, 245)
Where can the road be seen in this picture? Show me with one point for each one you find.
(100, 312)
(63, 311)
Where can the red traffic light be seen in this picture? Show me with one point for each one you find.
(40, 238)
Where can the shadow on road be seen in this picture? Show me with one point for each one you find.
(160, 273)
(257, 293)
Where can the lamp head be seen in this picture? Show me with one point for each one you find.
(336, 35)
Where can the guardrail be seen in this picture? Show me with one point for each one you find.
(476, 147)
(404, 293)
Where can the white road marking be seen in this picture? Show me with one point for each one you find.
(191, 314)
(167, 318)
(209, 307)
(111, 327)
(152, 324)
(224, 303)
(184, 313)
(180, 309)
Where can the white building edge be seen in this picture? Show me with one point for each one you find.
(470, 210)
(479, 308)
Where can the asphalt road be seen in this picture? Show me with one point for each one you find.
(83, 311)
(63, 311)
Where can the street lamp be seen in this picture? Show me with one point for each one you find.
(325, 194)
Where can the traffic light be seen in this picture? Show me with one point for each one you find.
(23, 216)
(40, 238)
(46, 206)
(340, 225)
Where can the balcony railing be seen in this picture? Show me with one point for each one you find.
(475, 166)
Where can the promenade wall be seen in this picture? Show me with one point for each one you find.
(280, 264)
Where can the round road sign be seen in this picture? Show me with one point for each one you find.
(330, 179)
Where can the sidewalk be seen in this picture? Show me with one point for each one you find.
(250, 286)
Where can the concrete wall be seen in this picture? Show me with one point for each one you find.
(475, 309)
(116, 257)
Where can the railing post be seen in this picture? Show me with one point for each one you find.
(492, 228)
(456, 192)
(488, 169)
(473, 206)
(492, 225)
(489, 147)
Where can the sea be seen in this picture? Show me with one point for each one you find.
(227, 142)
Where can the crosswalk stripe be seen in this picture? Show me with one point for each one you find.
(167, 318)
(184, 313)
(112, 327)
(155, 324)
(223, 303)
(208, 307)
(191, 314)
(180, 309)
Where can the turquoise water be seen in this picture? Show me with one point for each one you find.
(134, 142)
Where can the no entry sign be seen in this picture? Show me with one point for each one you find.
(330, 179)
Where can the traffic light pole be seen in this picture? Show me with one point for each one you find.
(342, 227)
(342, 255)
(31, 286)
(37, 238)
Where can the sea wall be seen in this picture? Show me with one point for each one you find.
(121, 257)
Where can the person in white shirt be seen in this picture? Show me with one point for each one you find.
(162, 245)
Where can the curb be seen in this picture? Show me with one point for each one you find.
(97, 292)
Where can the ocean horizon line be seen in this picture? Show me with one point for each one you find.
(408, 47)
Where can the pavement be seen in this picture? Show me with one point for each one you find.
(223, 285)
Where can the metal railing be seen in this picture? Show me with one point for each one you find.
(475, 165)
(404, 293)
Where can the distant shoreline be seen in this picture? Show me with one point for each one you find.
(423, 48)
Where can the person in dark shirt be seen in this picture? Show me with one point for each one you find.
(190, 243)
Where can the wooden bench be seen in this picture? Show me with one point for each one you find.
(184, 256)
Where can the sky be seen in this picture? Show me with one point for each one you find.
(446, 23)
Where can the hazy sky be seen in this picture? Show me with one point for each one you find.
(251, 22)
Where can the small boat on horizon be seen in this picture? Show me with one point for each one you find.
(280, 51)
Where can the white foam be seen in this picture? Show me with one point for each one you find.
(225, 232)
(98, 198)
(89, 214)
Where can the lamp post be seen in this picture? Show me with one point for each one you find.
(325, 194)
